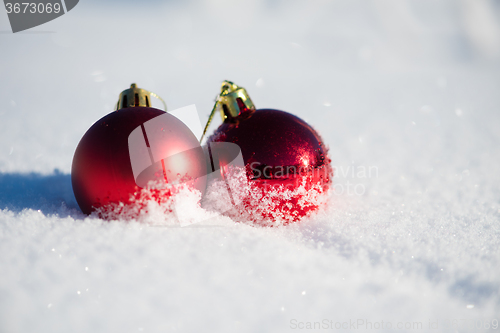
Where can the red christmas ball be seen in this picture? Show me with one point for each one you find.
(103, 171)
(287, 163)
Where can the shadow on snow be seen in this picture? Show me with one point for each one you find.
(52, 194)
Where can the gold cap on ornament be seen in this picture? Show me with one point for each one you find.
(231, 101)
(134, 97)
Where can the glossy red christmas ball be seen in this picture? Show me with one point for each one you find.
(287, 163)
(103, 171)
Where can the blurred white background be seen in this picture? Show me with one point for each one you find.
(368, 61)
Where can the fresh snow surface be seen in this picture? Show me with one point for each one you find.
(405, 94)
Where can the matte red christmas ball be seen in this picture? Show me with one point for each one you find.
(130, 148)
(287, 163)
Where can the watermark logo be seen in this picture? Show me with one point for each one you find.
(348, 180)
(27, 14)
(448, 324)
(153, 164)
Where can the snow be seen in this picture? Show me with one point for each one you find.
(405, 93)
